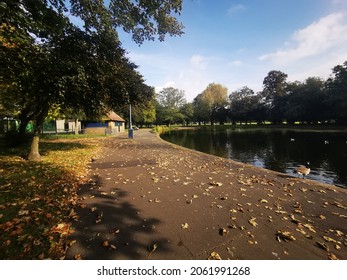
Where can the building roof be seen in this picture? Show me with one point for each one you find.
(112, 116)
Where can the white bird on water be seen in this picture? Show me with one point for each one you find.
(303, 170)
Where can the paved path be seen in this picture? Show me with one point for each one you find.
(148, 199)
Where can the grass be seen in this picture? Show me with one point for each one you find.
(38, 198)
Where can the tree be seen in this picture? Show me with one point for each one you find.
(170, 101)
(145, 20)
(210, 102)
(305, 101)
(143, 113)
(244, 104)
(187, 110)
(201, 109)
(337, 93)
(47, 61)
(274, 90)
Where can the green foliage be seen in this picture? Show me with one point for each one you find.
(210, 103)
(337, 94)
(170, 102)
(312, 101)
(48, 63)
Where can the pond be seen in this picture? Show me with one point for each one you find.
(279, 149)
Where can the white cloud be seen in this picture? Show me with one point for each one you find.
(236, 8)
(326, 34)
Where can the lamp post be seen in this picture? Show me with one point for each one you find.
(130, 131)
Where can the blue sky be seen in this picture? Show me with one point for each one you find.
(237, 42)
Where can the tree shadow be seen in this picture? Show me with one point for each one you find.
(47, 146)
(110, 227)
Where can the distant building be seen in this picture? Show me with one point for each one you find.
(61, 126)
(110, 124)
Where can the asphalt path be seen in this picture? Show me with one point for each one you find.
(149, 199)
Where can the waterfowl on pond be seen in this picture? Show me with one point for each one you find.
(303, 170)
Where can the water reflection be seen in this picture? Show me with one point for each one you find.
(276, 149)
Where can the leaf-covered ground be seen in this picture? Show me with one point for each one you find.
(37, 198)
(148, 199)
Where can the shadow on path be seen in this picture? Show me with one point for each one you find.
(110, 227)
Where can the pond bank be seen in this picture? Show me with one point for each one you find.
(278, 149)
(149, 199)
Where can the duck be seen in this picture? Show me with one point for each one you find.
(326, 142)
(292, 139)
(303, 170)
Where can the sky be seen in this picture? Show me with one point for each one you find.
(238, 42)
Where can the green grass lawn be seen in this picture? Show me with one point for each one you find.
(38, 199)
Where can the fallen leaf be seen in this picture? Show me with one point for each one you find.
(216, 184)
(310, 227)
(185, 226)
(328, 239)
(223, 231)
(253, 222)
(331, 256)
(214, 256)
(285, 235)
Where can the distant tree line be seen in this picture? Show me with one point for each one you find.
(313, 101)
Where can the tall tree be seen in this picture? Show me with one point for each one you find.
(170, 101)
(274, 90)
(212, 100)
(305, 101)
(337, 93)
(37, 43)
(243, 104)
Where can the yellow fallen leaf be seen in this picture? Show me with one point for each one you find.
(310, 227)
(328, 239)
(214, 256)
(185, 226)
(285, 235)
(331, 256)
(253, 222)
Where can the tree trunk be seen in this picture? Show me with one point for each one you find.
(34, 154)
(76, 126)
(23, 126)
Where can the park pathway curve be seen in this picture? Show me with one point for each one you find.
(149, 199)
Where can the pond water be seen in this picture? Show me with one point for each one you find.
(275, 149)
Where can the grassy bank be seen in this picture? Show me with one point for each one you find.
(38, 198)
(162, 129)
